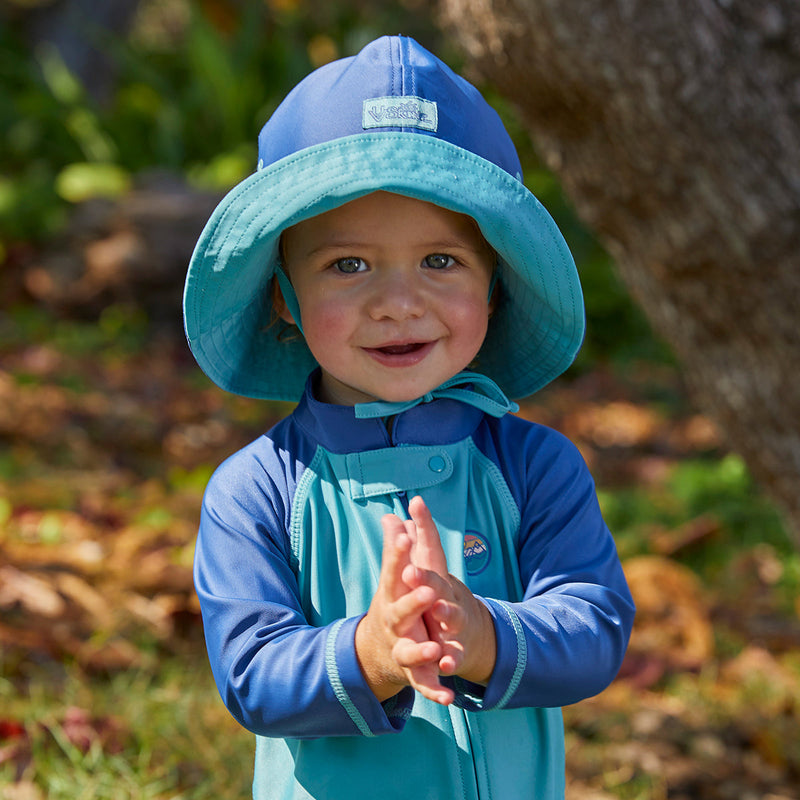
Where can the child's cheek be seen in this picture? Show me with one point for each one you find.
(328, 325)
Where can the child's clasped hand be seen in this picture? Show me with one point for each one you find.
(422, 622)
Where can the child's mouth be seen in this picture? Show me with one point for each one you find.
(400, 349)
(404, 354)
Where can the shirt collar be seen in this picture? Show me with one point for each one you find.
(336, 428)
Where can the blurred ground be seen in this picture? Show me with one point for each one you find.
(109, 434)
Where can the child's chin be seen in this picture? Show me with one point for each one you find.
(407, 396)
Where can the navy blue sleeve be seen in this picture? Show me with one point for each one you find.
(565, 640)
(278, 675)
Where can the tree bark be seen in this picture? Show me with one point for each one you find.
(674, 127)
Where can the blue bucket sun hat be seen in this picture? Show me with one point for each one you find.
(393, 118)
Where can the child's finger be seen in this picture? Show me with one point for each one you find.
(450, 617)
(447, 620)
(425, 679)
(450, 663)
(414, 576)
(433, 690)
(396, 555)
(410, 654)
(406, 611)
(428, 552)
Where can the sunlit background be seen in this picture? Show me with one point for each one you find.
(122, 126)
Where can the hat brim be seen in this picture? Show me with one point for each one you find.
(534, 334)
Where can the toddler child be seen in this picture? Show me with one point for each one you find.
(401, 582)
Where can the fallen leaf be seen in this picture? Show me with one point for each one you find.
(21, 790)
(616, 424)
(11, 729)
(33, 594)
(88, 598)
(83, 730)
(693, 533)
(673, 617)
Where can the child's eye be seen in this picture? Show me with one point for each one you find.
(350, 264)
(439, 261)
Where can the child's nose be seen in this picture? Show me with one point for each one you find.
(396, 296)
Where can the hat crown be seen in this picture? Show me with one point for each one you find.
(393, 84)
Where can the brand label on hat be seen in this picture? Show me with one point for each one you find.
(406, 111)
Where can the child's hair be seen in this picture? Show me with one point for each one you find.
(286, 331)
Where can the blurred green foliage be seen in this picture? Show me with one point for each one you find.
(195, 81)
(694, 489)
(119, 332)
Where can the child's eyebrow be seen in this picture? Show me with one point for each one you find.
(449, 244)
(336, 245)
(354, 245)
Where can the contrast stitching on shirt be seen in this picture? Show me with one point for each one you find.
(298, 503)
(336, 681)
(498, 481)
(522, 654)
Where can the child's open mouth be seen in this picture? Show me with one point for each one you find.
(401, 355)
(400, 349)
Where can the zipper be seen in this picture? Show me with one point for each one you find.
(402, 494)
(460, 714)
(473, 759)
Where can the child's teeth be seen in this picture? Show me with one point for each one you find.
(399, 349)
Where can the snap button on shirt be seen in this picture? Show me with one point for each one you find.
(437, 463)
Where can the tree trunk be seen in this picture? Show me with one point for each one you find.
(673, 125)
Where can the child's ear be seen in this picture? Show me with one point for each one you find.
(279, 308)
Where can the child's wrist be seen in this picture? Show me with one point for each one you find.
(482, 651)
(377, 672)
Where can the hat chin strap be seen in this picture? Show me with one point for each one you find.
(468, 387)
(289, 296)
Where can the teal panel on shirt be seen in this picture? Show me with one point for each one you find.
(336, 522)
(336, 539)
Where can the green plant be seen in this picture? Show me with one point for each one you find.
(154, 734)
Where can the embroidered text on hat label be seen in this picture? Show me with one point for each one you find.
(407, 111)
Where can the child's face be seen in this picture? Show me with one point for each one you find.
(393, 295)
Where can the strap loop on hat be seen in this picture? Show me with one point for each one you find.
(468, 387)
(289, 296)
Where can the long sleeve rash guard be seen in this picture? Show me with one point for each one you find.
(288, 559)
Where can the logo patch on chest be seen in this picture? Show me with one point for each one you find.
(477, 553)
